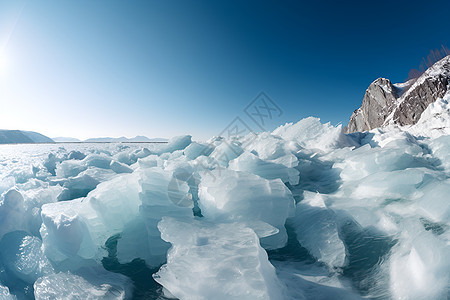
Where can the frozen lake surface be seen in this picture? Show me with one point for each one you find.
(304, 212)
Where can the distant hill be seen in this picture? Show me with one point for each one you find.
(137, 139)
(22, 137)
(26, 137)
(66, 140)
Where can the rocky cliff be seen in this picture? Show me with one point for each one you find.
(403, 103)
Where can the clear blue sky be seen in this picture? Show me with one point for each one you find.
(165, 68)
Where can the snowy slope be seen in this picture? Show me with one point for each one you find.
(439, 72)
(433, 123)
(435, 120)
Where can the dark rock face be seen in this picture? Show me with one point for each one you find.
(417, 100)
(378, 102)
(401, 104)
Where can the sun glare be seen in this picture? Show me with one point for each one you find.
(3, 63)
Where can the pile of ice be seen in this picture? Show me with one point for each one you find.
(304, 212)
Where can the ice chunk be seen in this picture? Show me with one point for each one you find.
(120, 167)
(13, 199)
(81, 227)
(76, 155)
(12, 212)
(22, 176)
(34, 198)
(41, 194)
(134, 243)
(77, 187)
(434, 203)
(194, 150)
(310, 133)
(168, 156)
(99, 161)
(70, 168)
(50, 163)
(5, 294)
(365, 161)
(125, 157)
(64, 231)
(316, 227)
(216, 261)
(142, 153)
(174, 144)
(98, 174)
(226, 195)
(66, 195)
(270, 147)
(22, 256)
(150, 161)
(250, 163)
(441, 151)
(6, 183)
(226, 151)
(419, 264)
(104, 285)
(289, 160)
(159, 188)
(161, 194)
(401, 184)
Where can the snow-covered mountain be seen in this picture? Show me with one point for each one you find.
(386, 104)
(22, 137)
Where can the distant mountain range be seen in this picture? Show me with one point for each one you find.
(31, 137)
(66, 140)
(22, 137)
(137, 139)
